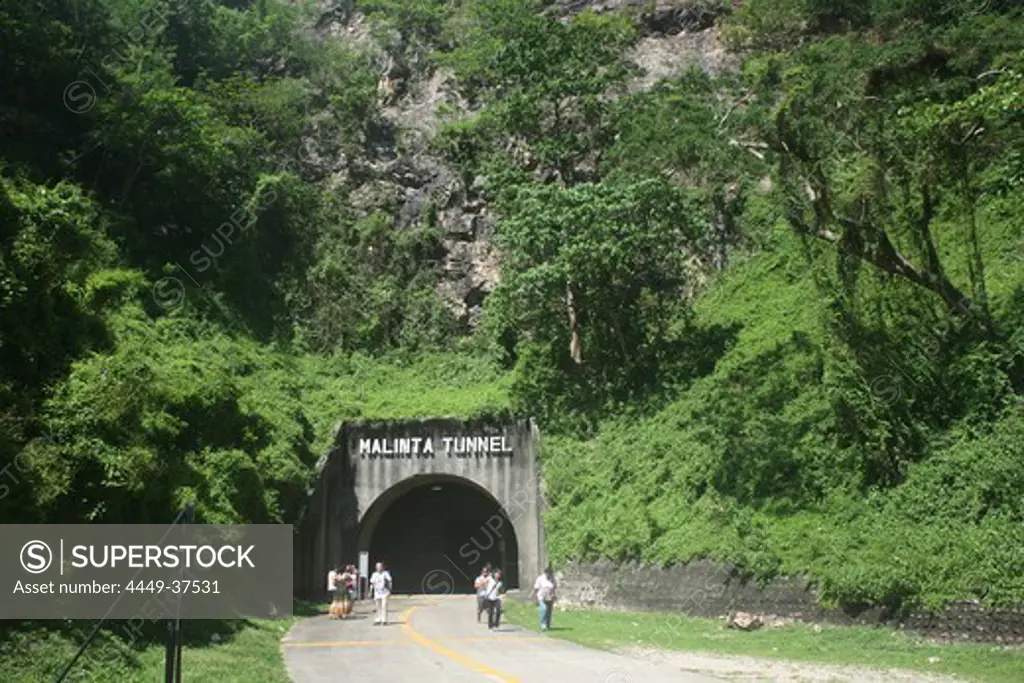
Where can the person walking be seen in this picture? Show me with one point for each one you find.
(544, 589)
(345, 589)
(480, 585)
(333, 578)
(353, 582)
(380, 583)
(495, 589)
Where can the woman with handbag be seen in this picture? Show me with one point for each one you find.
(544, 588)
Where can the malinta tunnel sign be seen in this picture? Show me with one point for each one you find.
(447, 446)
(416, 494)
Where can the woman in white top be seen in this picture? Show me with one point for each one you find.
(480, 586)
(544, 589)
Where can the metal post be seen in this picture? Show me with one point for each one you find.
(169, 659)
(190, 512)
(178, 631)
(172, 653)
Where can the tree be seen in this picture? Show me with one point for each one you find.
(700, 132)
(593, 274)
(545, 85)
(871, 150)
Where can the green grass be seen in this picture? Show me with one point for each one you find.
(770, 295)
(248, 652)
(861, 646)
(457, 385)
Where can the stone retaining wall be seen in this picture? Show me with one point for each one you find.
(708, 589)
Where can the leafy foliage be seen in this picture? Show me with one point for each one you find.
(771, 317)
(544, 83)
(614, 259)
(164, 225)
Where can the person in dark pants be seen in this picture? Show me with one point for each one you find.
(495, 588)
(480, 585)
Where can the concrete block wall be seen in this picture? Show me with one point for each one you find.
(708, 589)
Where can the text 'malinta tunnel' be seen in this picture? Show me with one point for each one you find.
(433, 499)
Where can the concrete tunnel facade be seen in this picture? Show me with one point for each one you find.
(434, 499)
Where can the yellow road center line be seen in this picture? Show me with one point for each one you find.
(341, 643)
(452, 654)
(355, 643)
(493, 639)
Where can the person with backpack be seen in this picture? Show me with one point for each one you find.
(380, 584)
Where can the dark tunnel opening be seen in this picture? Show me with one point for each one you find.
(436, 537)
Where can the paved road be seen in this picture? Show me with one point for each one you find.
(438, 639)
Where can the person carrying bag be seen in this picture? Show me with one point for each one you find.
(544, 589)
(495, 589)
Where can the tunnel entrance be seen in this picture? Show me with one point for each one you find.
(435, 536)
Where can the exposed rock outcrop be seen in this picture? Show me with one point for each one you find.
(676, 35)
(654, 17)
(418, 189)
(663, 56)
(405, 180)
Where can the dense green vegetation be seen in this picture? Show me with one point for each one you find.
(233, 652)
(771, 317)
(177, 279)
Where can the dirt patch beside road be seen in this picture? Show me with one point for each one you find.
(757, 670)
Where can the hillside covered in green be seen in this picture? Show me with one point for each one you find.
(769, 315)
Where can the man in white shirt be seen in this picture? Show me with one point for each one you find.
(481, 587)
(494, 588)
(332, 590)
(380, 582)
(544, 589)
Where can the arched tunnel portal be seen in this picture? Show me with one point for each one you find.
(433, 499)
(436, 532)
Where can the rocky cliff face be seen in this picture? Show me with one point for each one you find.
(470, 267)
(404, 179)
(676, 35)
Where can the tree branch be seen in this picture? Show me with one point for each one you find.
(751, 147)
(575, 349)
(735, 105)
(880, 251)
